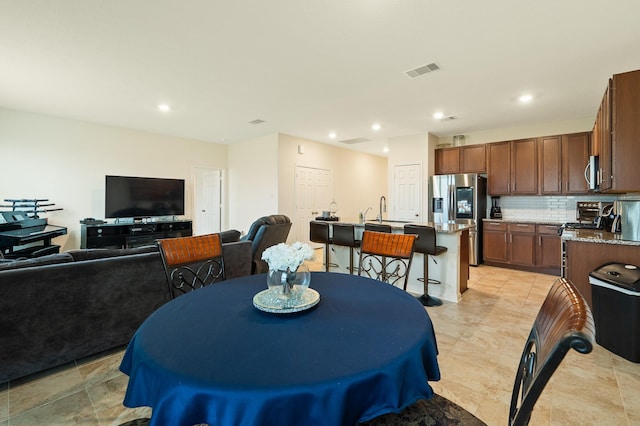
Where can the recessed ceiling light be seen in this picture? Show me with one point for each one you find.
(385, 149)
(164, 107)
(525, 98)
(332, 135)
(438, 115)
(375, 127)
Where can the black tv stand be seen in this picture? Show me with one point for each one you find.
(126, 235)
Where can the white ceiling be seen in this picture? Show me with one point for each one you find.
(309, 67)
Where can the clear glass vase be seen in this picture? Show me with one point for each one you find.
(289, 284)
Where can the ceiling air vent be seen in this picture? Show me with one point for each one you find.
(355, 140)
(256, 121)
(425, 69)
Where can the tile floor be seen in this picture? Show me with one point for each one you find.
(480, 340)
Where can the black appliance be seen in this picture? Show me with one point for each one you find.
(615, 289)
(495, 213)
(140, 197)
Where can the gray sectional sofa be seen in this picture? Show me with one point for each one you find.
(62, 307)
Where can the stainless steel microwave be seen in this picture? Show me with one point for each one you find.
(591, 173)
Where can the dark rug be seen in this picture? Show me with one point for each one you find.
(437, 411)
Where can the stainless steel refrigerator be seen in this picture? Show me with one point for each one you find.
(460, 199)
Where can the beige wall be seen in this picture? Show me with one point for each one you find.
(253, 181)
(523, 132)
(358, 179)
(407, 150)
(66, 161)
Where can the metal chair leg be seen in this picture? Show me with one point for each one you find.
(425, 299)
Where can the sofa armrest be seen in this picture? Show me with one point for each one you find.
(237, 259)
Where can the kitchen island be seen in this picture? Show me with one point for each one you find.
(587, 249)
(451, 269)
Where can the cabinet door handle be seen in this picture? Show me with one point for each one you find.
(510, 238)
(522, 225)
(505, 238)
(539, 240)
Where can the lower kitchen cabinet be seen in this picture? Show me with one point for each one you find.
(584, 257)
(494, 242)
(522, 244)
(549, 253)
(525, 246)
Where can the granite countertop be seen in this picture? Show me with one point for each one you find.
(445, 228)
(584, 235)
(596, 236)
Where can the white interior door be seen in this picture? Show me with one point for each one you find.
(207, 200)
(407, 182)
(314, 192)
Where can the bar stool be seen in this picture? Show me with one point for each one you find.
(377, 227)
(426, 244)
(319, 233)
(345, 235)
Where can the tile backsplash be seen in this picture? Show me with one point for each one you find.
(544, 208)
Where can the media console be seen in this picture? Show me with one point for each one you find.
(126, 235)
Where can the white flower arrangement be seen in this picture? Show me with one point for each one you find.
(282, 257)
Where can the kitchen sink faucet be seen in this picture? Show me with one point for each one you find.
(383, 205)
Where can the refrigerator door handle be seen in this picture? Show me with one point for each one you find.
(452, 201)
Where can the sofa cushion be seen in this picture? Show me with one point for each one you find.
(90, 254)
(37, 261)
(230, 236)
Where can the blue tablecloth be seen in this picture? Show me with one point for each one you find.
(211, 357)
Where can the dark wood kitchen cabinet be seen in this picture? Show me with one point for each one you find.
(499, 168)
(473, 159)
(616, 133)
(562, 160)
(524, 167)
(526, 246)
(584, 257)
(463, 159)
(575, 155)
(550, 159)
(513, 167)
(522, 244)
(494, 242)
(447, 161)
(549, 248)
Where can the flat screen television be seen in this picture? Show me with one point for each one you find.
(140, 197)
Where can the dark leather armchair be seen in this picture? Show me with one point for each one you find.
(264, 233)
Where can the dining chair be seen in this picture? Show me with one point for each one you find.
(563, 322)
(191, 263)
(386, 257)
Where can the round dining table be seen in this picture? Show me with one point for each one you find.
(366, 349)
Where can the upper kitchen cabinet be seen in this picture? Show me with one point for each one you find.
(524, 167)
(561, 164)
(464, 159)
(575, 155)
(550, 158)
(499, 168)
(616, 133)
(447, 161)
(619, 171)
(473, 159)
(513, 167)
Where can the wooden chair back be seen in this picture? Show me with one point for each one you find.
(191, 262)
(386, 257)
(564, 322)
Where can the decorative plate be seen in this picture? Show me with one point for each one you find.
(274, 302)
